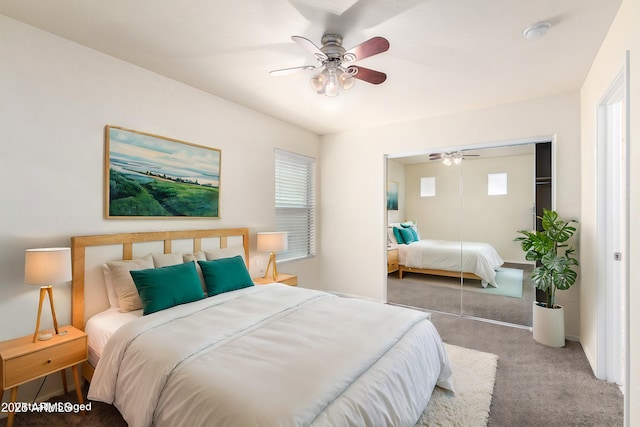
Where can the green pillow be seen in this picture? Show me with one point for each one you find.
(399, 239)
(408, 235)
(414, 232)
(225, 274)
(165, 287)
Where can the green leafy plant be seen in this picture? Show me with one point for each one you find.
(554, 258)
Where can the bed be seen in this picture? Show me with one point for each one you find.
(268, 355)
(471, 260)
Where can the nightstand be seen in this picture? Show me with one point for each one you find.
(287, 279)
(23, 360)
(392, 260)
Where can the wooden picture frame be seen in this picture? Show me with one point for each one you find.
(150, 176)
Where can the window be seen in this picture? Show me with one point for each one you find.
(497, 184)
(428, 186)
(295, 203)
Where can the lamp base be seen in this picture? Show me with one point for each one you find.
(274, 269)
(45, 290)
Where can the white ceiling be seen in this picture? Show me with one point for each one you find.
(445, 55)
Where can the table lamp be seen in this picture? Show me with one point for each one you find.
(273, 241)
(46, 267)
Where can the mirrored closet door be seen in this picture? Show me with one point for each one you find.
(470, 209)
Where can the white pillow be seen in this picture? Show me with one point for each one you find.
(391, 238)
(196, 256)
(123, 285)
(225, 253)
(164, 260)
(108, 283)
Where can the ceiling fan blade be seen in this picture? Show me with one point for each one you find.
(308, 45)
(435, 156)
(371, 47)
(368, 75)
(287, 71)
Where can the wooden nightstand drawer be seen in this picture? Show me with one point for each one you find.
(392, 260)
(37, 364)
(23, 360)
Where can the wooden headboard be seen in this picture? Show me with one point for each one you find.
(127, 241)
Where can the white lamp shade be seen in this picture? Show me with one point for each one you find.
(47, 266)
(274, 241)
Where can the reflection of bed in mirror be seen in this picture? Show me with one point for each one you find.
(471, 260)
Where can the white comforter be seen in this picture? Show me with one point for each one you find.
(273, 355)
(480, 259)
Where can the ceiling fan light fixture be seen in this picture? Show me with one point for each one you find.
(331, 56)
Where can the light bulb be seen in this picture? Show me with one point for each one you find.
(332, 85)
(447, 160)
(318, 82)
(346, 80)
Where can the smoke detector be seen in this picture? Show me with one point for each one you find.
(536, 30)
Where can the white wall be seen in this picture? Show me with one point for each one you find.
(490, 219)
(353, 181)
(55, 99)
(438, 217)
(623, 35)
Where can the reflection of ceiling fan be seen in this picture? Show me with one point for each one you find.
(451, 157)
(334, 60)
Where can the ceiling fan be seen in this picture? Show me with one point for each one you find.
(450, 157)
(335, 62)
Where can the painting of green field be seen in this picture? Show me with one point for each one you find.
(152, 176)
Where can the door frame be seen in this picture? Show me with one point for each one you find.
(608, 326)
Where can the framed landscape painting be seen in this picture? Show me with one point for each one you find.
(152, 176)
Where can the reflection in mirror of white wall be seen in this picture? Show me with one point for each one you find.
(497, 184)
(428, 186)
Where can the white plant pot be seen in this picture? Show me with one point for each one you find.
(548, 325)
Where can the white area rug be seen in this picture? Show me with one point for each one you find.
(474, 374)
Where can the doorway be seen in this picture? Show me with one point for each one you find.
(613, 226)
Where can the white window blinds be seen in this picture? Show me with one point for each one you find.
(295, 203)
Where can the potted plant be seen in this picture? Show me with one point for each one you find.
(554, 271)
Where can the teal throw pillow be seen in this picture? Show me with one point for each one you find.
(165, 287)
(396, 232)
(408, 235)
(225, 275)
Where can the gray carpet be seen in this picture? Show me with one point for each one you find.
(536, 385)
(443, 294)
